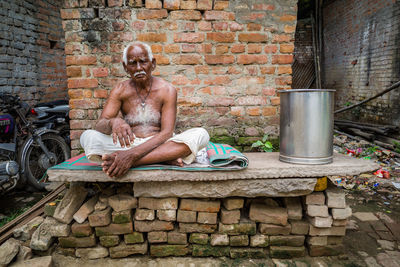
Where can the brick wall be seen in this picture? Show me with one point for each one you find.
(362, 56)
(225, 58)
(32, 59)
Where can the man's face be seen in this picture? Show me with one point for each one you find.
(139, 66)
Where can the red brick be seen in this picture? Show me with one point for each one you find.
(188, 48)
(205, 48)
(268, 111)
(113, 3)
(220, 25)
(171, 48)
(87, 93)
(70, 14)
(179, 80)
(234, 26)
(254, 27)
(237, 111)
(118, 26)
(253, 111)
(152, 37)
(268, 91)
(75, 94)
(287, 18)
(188, 37)
(157, 4)
(275, 101)
(161, 60)
(172, 4)
(270, 49)
(228, 37)
(218, 80)
(152, 14)
(138, 25)
(238, 48)
(282, 59)
(263, 7)
(204, 26)
(100, 72)
(252, 59)
(221, 49)
(188, 59)
(200, 205)
(71, 37)
(284, 70)
(219, 59)
(185, 15)
(289, 29)
(202, 69)
(82, 83)
(219, 15)
(204, 4)
(250, 100)
(100, 93)
(286, 48)
(283, 80)
(221, 5)
(80, 60)
(71, 48)
(254, 48)
(74, 71)
(189, 27)
(253, 37)
(281, 38)
(84, 103)
(156, 48)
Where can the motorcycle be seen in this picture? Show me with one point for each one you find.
(53, 115)
(26, 150)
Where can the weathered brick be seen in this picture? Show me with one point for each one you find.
(122, 202)
(200, 205)
(157, 237)
(77, 242)
(265, 214)
(197, 238)
(317, 240)
(153, 4)
(208, 250)
(221, 37)
(219, 240)
(177, 238)
(109, 241)
(74, 71)
(123, 250)
(81, 229)
(273, 229)
(341, 214)
(285, 252)
(91, 253)
(169, 250)
(332, 231)
(197, 228)
(335, 198)
(144, 215)
(219, 15)
(294, 208)
(299, 227)
(315, 198)
(233, 203)
(166, 215)
(207, 217)
(188, 4)
(221, 5)
(185, 15)
(259, 241)
(158, 203)
(150, 226)
(239, 240)
(172, 4)
(187, 216)
(339, 222)
(327, 250)
(123, 216)
(242, 228)
(100, 217)
(230, 216)
(253, 253)
(114, 229)
(290, 240)
(322, 222)
(133, 238)
(204, 4)
(317, 210)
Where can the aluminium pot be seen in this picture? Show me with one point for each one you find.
(306, 126)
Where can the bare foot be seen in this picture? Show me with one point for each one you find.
(108, 160)
(176, 162)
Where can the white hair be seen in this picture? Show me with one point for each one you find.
(146, 46)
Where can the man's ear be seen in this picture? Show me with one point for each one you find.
(154, 64)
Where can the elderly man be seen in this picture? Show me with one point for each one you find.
(137, 124)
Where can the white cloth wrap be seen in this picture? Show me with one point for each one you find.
(97, 144)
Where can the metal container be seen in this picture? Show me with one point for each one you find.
(306, 126)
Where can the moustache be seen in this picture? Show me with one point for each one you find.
(139, 73)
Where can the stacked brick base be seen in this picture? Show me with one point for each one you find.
(113, 223)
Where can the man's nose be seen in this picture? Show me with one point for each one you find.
(139, 66)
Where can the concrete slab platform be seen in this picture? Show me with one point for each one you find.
(262, 166)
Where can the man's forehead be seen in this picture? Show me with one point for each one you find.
(137, 50)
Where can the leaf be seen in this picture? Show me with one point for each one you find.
(268, 145)
(265, 138)
(257, 144)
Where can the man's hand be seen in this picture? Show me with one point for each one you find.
(121, 131)
(117, 163)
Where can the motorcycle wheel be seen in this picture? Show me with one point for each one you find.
(36, 162)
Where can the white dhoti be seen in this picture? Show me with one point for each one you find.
(97, 144)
